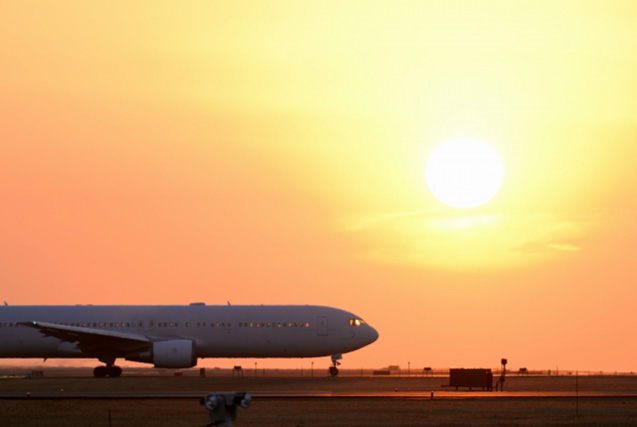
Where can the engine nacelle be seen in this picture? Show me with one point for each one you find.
(175, 354)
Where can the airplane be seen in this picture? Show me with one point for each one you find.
(175, 336)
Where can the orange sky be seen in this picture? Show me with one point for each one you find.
(273, 152)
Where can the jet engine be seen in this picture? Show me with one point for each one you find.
(175, 354)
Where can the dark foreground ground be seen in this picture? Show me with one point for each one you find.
(326, 412)
(618, 408)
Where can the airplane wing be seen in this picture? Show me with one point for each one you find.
(91, 340)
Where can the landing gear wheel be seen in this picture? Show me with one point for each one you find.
(335, 362)
(100, 372)
(114, 371)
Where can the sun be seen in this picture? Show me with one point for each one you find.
(464, 173)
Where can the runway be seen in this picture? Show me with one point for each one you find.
(408, 395)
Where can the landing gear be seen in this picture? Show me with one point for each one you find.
(333, 370)
(100, 372)
(112, 371)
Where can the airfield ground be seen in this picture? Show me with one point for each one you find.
(63, 398)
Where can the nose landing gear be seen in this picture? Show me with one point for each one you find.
(333, 370)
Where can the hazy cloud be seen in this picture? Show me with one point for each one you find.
(457, 239)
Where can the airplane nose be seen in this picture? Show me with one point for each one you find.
(373, 335)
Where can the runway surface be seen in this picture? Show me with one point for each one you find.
(411, 395)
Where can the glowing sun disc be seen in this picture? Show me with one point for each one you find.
(464, 173)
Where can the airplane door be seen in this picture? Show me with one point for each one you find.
(321, 323)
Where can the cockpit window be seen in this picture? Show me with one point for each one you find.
(356, 322)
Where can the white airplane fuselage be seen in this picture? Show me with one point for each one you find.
(175, 336)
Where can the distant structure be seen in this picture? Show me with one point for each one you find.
(476, 378)
(472, 378)
(503, 372)
(238, 371)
